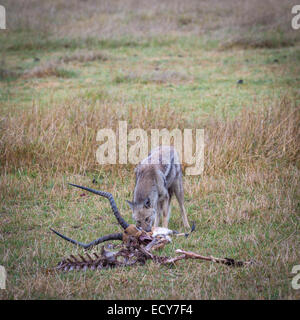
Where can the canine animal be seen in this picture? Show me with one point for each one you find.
(158, 177)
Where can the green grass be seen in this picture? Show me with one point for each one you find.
(207, 80)
(30, 248)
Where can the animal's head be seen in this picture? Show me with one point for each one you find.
(143, 214)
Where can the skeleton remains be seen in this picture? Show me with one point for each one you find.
(137, 246)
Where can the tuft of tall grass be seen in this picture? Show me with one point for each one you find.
(49, 69)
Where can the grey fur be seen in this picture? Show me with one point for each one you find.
(158, 177)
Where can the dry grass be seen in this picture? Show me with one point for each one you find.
(65, 138)
(156, 76)
(84, 56)
(244, 23)
(57, 67)
(45, 70)
(6, 74)
(263, 135)
(260, 24)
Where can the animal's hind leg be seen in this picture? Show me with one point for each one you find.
(178, 190)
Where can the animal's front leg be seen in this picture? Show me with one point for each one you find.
(157, 215)
(165, 212)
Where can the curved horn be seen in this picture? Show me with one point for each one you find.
(113, 236)
(113, 205)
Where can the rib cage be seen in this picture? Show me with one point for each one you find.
(132, 253)
(87, 262)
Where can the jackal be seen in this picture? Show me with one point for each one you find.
(158, 177)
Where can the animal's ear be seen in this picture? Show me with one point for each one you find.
(147, 203)
(131, 204)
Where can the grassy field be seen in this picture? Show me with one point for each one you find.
(68, 70)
